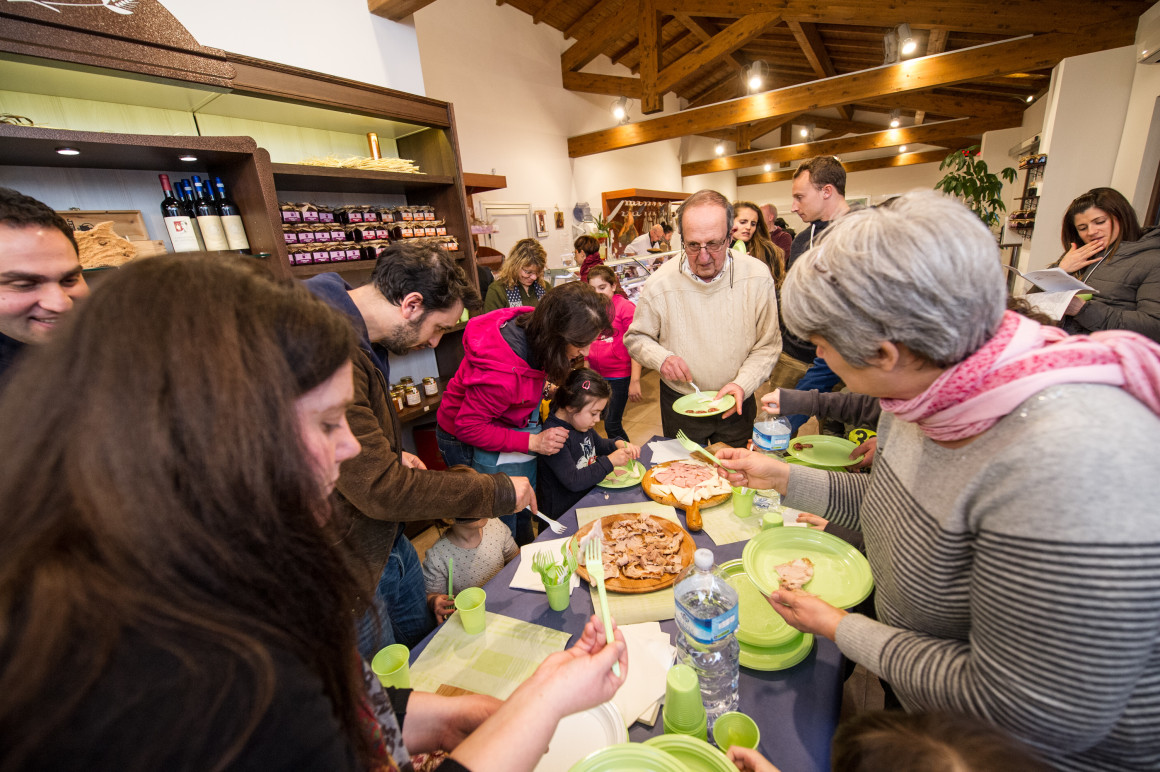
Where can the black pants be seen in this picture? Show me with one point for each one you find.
(734, 430)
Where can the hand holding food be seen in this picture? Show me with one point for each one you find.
(633, 451)
(1078, 258)
(807, 613)
(675, 369)
(619, 457)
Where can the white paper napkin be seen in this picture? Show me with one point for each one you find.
(527, 579)
(650, 654)
(668, 450)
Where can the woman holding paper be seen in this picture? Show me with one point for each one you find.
(1107, 249)
(992, 566)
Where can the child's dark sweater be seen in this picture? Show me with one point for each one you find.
(563, 479)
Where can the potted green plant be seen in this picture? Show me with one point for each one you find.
(971, 182)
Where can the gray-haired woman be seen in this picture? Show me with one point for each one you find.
(1003, 589)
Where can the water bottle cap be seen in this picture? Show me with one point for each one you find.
(703, 559)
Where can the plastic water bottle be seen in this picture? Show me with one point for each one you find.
(771, 434)
(707, 617)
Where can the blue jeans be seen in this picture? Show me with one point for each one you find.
(400, 603)
(819, 377)
(615, 410)
(455, 453)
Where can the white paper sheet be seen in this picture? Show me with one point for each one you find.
(650, 654)
(668, 450)
(527, 579)
(513, 458)
(1052, 304)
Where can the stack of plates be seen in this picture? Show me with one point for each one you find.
(767, 642)
(664, 753)
(841, 573)
(582, 734)
(694, 754)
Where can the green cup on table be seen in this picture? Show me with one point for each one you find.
(470, 605)
(559, 595)
(392, 666)
(743, 501)
(735, 728)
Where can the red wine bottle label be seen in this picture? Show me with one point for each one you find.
(181, 234)
(235, 232)
(213, 233)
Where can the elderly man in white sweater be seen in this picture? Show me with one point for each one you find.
(708, 318)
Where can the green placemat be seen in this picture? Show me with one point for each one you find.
(493, 662)
(724, 527)
(640, 607)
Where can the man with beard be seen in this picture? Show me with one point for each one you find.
(416, 293)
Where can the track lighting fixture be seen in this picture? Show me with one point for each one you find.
(720, 149)
(895, 118)
(907, 45)
(619, 109)
(756, 75)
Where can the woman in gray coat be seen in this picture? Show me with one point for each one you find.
(1107, 249)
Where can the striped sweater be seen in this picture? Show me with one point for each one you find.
(1018, 577)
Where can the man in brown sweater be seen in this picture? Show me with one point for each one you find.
(416, 293)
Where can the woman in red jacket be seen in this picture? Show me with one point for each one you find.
(489, 417)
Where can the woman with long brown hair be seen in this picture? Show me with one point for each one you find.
(171, 594)
(750, 230)
(520, 281)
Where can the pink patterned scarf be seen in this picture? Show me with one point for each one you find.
(1022, 359)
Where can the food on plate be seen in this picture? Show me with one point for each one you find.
(639, 548)
(683, 474)
(801, 445)
(688, 481)
(795, 574)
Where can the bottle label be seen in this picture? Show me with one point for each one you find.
(213, 233)
(181, 234)
(708, 630)
(772, 441)
(235, 232)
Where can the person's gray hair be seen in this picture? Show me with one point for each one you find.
(923, 272)
(705, 198)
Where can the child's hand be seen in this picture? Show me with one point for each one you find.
(442, 606)
(619, 457)
(632, 450)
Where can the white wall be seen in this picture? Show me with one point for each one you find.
(338, 37)
(1086, 108)
(1139, 155)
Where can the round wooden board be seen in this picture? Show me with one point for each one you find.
(623, 583)
(647, 484)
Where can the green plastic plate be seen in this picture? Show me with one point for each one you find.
(758, 624)
(841, 573)
(826, 450)
(776, 657)
(635, 474)
(691, 404)
(629, 757)
(695, 754)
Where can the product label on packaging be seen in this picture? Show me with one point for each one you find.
(429, 230)
(306, 237)
(354, 216)
(291, 216)
(370, 216)
(708, 630)
(441, 230)
(428, 215)
(406, 216)
(181, 234)
(337, 235)
(309, 216)
(235, 232)
(326, 216)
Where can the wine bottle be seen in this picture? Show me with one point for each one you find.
(177, 222)
(231, 219)
(184, 192)
(209, 219)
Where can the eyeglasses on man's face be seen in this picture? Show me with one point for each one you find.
(714, 248)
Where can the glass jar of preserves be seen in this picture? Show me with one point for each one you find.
(430, 386)
(413, 396)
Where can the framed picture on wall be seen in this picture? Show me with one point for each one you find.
(541, 223)
(559, 220)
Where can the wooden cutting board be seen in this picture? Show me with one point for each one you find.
(622, 583)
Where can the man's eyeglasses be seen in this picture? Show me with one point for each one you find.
(714, 248)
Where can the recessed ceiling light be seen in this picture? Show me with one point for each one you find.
(805, 132)
(895, 118)
(720, 149)
(769, 167)
(902, 148)
(188, 158)
(68, 151)
(1030, 98)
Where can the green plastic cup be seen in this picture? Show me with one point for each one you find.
(392, 666)
(735, 728)
(700, 731)
(559, 595)
(743, 501)
(470, 605)
(772, 519)
(684, 712)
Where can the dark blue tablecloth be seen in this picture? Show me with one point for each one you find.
(796, 709)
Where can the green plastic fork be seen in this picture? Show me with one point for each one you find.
(595, 565)
(693, 447)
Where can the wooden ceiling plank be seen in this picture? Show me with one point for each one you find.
(583, 51)
(913, 75)
(936, 43)
(885, 162)
(1011, 17)
(545, 8)
(837, 124)
(914, 135)
(649, 26)
(706, 33)
(593, 18)
(725, 42)
(785, 135)
(810, 42)
(723, 90)
(396, 10)
(609, 85)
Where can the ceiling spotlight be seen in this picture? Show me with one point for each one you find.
(188, 158)
(906, 42)
(720, 149)
(902, 148)
(895, 118)
(756, 74)
(808, 132)
(68, 151)
(1030, 98)
(619, 109)
(768, 167)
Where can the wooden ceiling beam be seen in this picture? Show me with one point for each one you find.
(839, 125)
(545, 8)
(759, 129)
(592, 45)
(396, 10)
(722, 44)
(649, 27)
(702, 30)
(936, 43)
(1030, 53)
(725, 89)
(885, 162)
(1011, 17)
(959, 106)
(608, 85)
(810, 42)
(593, 18)
(928, 134)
